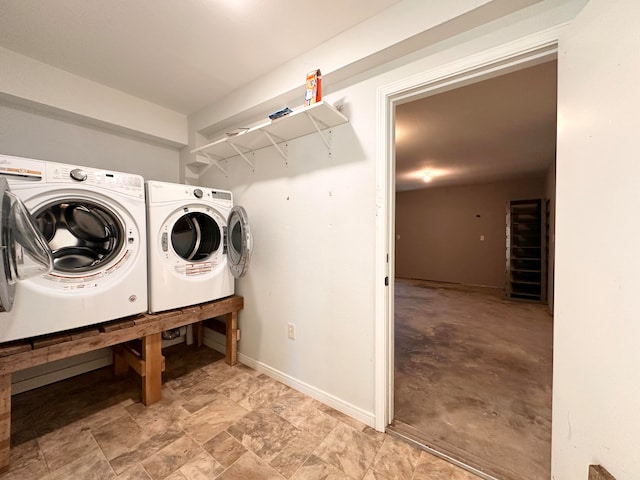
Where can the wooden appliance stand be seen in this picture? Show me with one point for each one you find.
(149, 363)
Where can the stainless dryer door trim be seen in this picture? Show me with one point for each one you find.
(239, 242)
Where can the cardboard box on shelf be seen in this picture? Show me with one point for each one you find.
(313, 91)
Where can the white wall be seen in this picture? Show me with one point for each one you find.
(310, 222)
(596, 390)
(314, 224)
(27, 80)
(314, 220)
(36, 135)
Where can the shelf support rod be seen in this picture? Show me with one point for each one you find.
(215, 163)
(315, 124)
(284, 155)
(244, 157)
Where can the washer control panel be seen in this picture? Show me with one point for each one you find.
(126, 183)
(21, 170)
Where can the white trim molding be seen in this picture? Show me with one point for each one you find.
(515, 55)
(216, 341)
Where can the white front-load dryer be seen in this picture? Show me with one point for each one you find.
(198, 242)
(95, 224)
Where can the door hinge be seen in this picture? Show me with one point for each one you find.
(386, 281)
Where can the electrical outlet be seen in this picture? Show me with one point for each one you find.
(291, 331)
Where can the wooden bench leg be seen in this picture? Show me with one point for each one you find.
(198, 334)
(152, 378)
(120, 366)
(231, 353)
(5, 420)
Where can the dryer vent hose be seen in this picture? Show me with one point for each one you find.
(174, 333)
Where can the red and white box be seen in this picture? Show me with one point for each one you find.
(313, 92)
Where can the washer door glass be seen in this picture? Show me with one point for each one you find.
(239, 242)
(195, 236)
(83, 235)
(24, 253)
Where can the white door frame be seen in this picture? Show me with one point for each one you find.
(512, 56)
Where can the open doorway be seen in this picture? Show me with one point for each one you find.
(472, 368)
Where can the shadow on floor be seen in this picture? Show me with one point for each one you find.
(213, 421)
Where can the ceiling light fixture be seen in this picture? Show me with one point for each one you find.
(427, 177)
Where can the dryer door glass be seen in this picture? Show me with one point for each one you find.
(239, 242)
(195, 236)
(83, 234)
(24, 253)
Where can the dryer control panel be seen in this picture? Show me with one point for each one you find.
(162, 192)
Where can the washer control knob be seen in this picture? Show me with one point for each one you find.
(198, 193)
(78, 174)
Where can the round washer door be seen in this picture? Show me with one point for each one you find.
(239, 242)
(84, 235)
(24, 252)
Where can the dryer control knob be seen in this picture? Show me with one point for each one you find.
(198, 193)
(78, 174)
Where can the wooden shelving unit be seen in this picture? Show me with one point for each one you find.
(272, 133)
(525, 250)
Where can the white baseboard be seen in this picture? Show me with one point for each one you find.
(51, 372)
(217, 342)
(35, 377)
(214, 340)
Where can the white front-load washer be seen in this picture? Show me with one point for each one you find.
(198, 241)
(95, 224)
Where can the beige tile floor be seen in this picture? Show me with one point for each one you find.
(213, 422)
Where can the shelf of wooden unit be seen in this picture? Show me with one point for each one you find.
(525, 262)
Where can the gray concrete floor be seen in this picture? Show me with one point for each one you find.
(473, 375)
